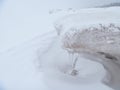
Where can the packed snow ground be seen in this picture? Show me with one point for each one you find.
(18, 65)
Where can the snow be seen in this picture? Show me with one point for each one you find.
(27, 32)
(96, 16)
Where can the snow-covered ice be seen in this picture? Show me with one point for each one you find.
(30, 46)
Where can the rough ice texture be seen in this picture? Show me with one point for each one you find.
(94, 39)
(102, 42)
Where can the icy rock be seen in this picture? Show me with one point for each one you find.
(101, 42)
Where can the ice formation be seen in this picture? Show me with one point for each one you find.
(86, 50)
(101, 43)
